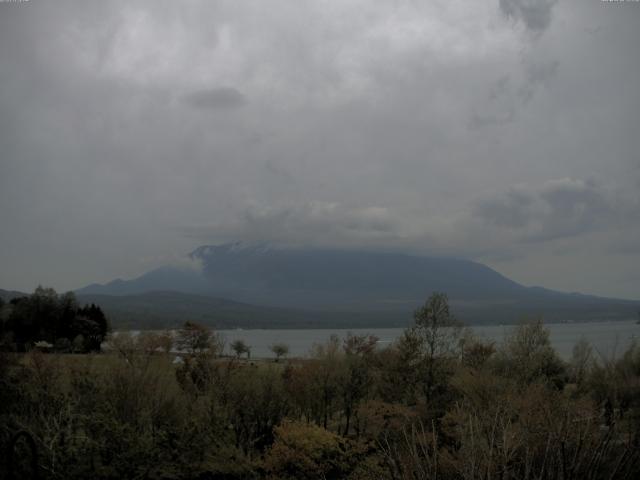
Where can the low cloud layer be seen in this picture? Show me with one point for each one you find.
(494, 225)
(558, 208)
(501, 130)
(310, 224)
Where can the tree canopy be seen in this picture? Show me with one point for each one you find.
(46, 316)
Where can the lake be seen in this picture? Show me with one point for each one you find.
(607, 338)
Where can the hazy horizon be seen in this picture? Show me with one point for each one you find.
(501, 131)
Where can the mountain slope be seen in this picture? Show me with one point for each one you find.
(323, 278)
(164, 278)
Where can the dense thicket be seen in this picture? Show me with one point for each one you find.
(439, 403)
(51, 321)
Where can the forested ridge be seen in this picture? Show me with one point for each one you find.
(438, 403)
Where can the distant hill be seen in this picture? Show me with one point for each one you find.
(7, 295)
(154, 310)
(270, 286)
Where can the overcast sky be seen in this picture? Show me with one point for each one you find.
(504, 131)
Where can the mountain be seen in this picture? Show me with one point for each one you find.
(318, 278)
(345, 285)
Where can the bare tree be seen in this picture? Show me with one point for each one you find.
(439, 332)
(240, 347)
(279, 350)
(194, 338)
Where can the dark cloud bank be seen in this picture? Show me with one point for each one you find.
(215, 98)
(503, 131)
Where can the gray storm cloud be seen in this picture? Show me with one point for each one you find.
(535, 14)
(132, 132)
(215, 98)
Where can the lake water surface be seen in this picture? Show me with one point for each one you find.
(607, 338)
